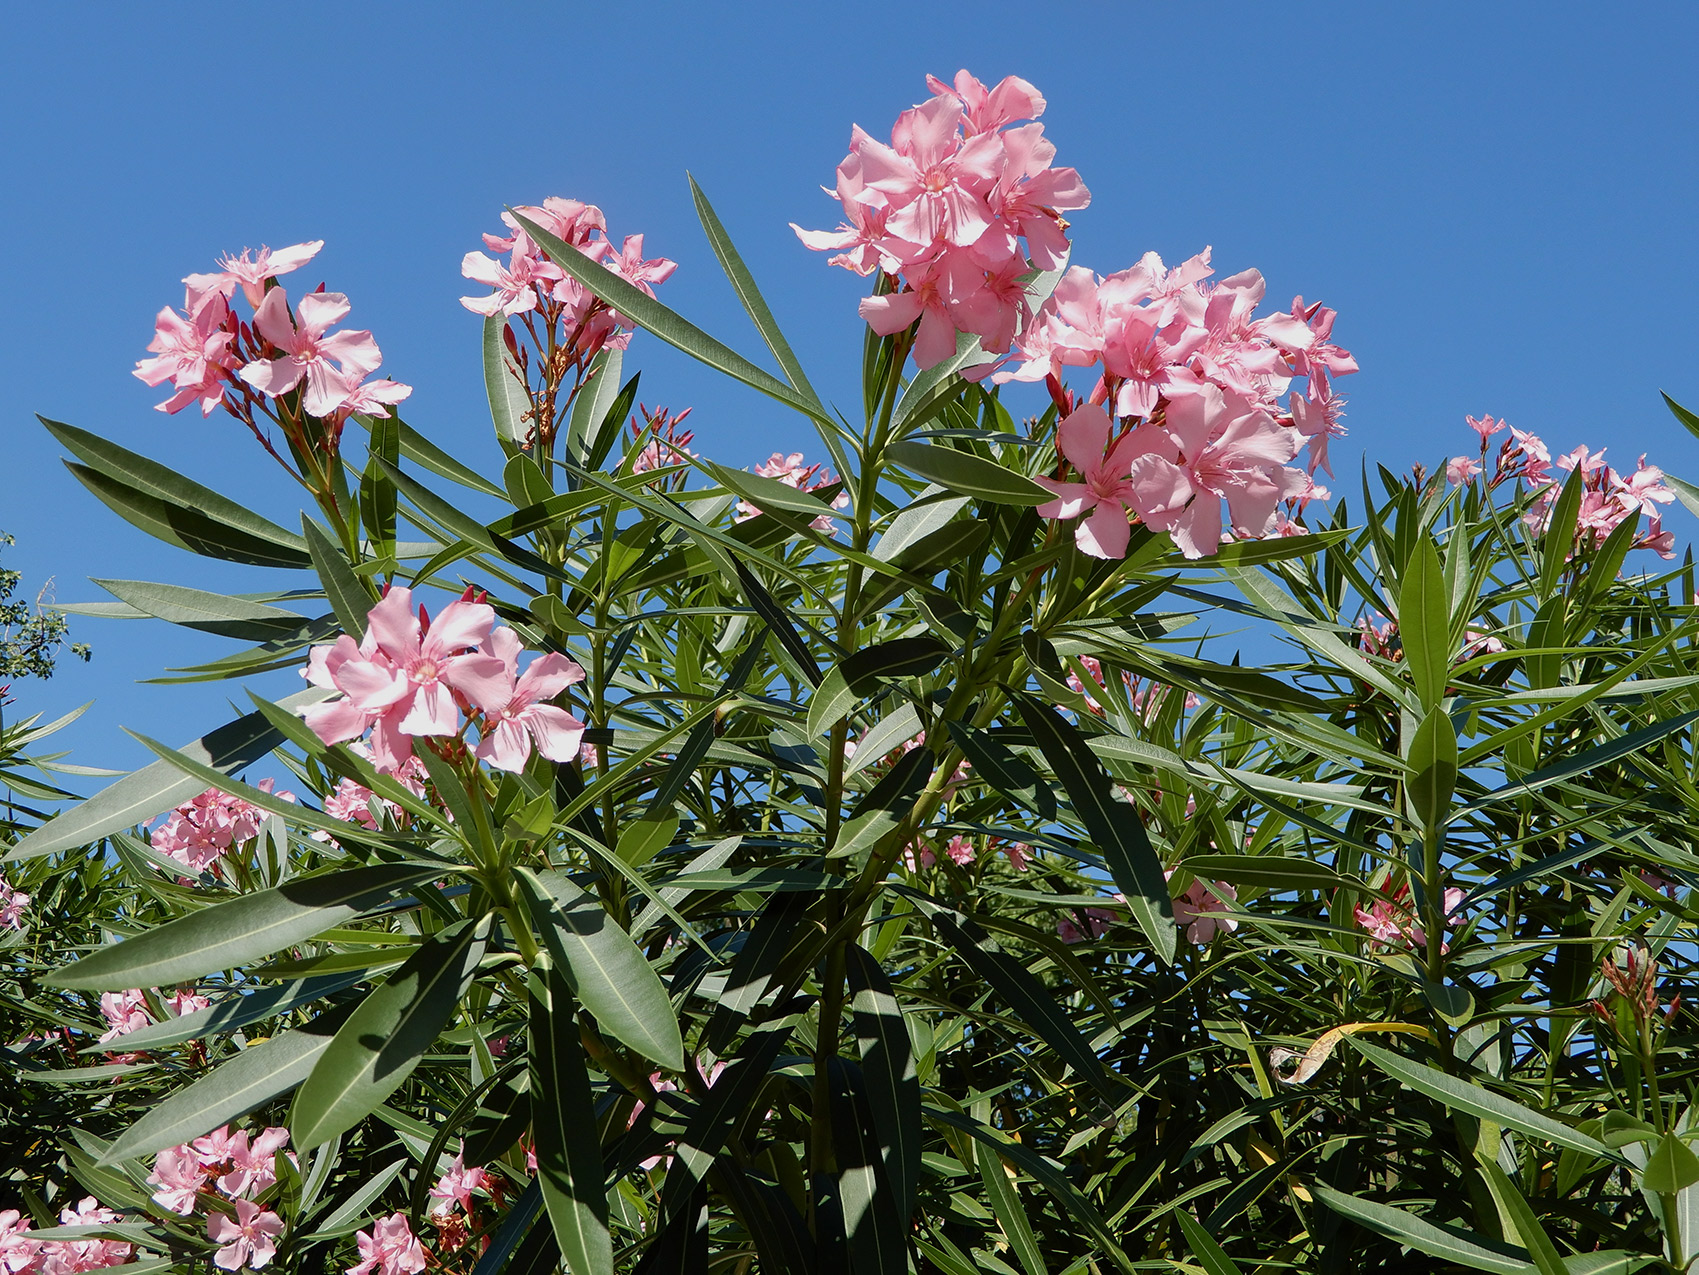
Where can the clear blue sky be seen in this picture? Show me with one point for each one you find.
(1497, 198)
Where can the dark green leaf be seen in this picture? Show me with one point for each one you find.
(185, 527)
(510, 404)
(888, 1069)
(569, 1158)
(967, 474)
(1424, 622)
(348, 598)
(863, 670)
(208, 612)
(1444, 1242)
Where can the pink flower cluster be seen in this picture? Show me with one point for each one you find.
(1147, 697)
(799, 477)
(946, 207)
(241, 1168)
(212, 356)
(353, 802)
(1608, 498)
(452, 1195)
(1391, 922)
(1197, 912)
(12, 904)
(413, 677)
(203, 829)
(389, 1248)
(665, 444)
(529, 281)
(22, 1255)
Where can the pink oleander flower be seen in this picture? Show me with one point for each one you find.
(1102, 498)
(1097, 923)
(180, 1177)
(354, 802)
(251, 1164)
(667, 445)
(1391, 922)
(1478, 643)
(959, 851)
(456, 1185)
(401, 679)
(67, 1257)
(194, 353)
(1486, 427)
(389, 1248)
(12, 905)
(1315, 416)
(1198, 910)
(521, 715)
(205, 828)
(1460, 470)
(123, 1012)
(794, 474)
(588, 757)
(18, 1252)
(249, 1239)
(986, 110)
(309, 350)
(516, 284)
(251, 271)
(1019, 854)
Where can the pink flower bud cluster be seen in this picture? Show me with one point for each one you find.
(1608, 498)
(411, 677)
(12, 904)
(226, 1170)
(451, 1210)
(353, 802)
(211, 356)
(22, 1255)
(799, 477)
(205, 828)
(529, 281)
(955, 207)
(666, 444)
(1391, 922)
(389, 1248)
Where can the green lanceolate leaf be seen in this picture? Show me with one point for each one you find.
(830, 701)
(253, 1077)
(238, 1011)
(1210, 1255)
(1560, 533)
(510, 404)
(1433, 766)
(1481, 1103)
(929, 512)
(769, 495)
(1447, 1243)
(387, 1035)
(884, 806)
(778, 622)
(998, 766)
(888, 1070)
(348, 598)
(863, 670)
(377, 492)
(229, 935)
(1267, 871)
(607, 971)
(1114, 826)
(158, 787)
(663, 322)
(1512, 1205)
(569, 1158)
(1005, 1199)
(185, 527)
(967, 474)
(1424, 622)
(1030, 999)
(1671, 1167)
(208, 612)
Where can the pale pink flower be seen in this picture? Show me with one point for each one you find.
(790, 470)
(1478, 643)
(401, 679)
(959, 851)
(193, 353)
(251, 271)
(1486, 427)
(947, 294)
(368, 398)
(1101, 499)
(123, 1012)
(12, 905)
(180, 1177)
(1148, 360)
(934, 181)
(204, 828)
(1306, 337)
(18, 1252)
(252, 1165)
(515, 284)
(1389, 921)
(308, 351)
(986, 110)
(588, 757)
(521, 715)
(1197, 910)
(1315, 416)
(389, 1248)
(456, 1186)
(1019, 853)
(1097, 922)
(1461, 469)
(67, 1257)
(249, 1239)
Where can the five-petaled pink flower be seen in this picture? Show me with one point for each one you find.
(308, 351)
(251, 270)
(249, 1239)
(1101, 499)
(389, 1248)
(521, 714)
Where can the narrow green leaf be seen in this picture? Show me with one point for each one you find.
(1588, 759)
(510, 404)
(1424, 622)
(348, 598)
(1267, 871)
(607, 971)
(1481, 1103)
(468, 528)
(598, 414)
(888, 1068)
(1003, 770)
(931, 510)
(387, 1035)
(252, 1078)
(1514, 1206)
(663, 322)
(1671, 1167)
(1444, 1242)
(1210, 1255)
(1011, 1213)
(884, 806)
(778, 622)
(569, 1158)
(427, 455)
(377, 492)
(887, 661)
(238, 1011)
(1433, 763)
(230, 935)
(185, 527)
(1114, 826)
(893, 730)
(1560, 533)
(643, 839)
(769, 495)
(967, 474)
(208, 612)
(831, 700)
